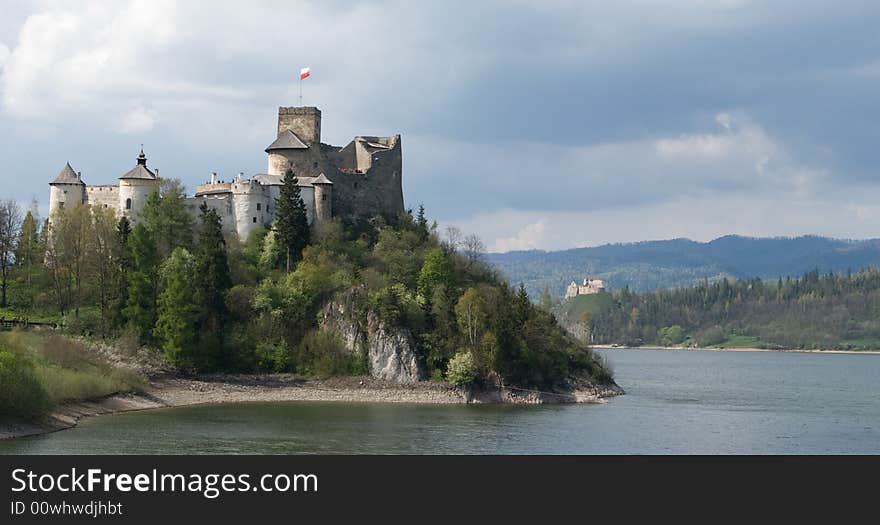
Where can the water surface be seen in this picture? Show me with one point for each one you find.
(677, 402)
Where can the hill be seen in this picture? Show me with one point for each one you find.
(651, 265)
(811, 312)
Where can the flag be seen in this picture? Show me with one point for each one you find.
(304, 73)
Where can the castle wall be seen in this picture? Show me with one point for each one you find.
(378, 191)
(103, 197)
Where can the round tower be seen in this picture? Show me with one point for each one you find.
(66, 191)
(323, 198)
(135, 187)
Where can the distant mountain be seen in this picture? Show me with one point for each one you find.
(650, 265)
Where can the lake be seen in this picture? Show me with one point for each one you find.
(677, 402)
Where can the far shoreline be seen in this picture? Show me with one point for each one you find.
(736, 349)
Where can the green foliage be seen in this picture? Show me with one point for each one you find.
(812, 312)
(436, 271)
(211, 281)
(166, 218)
(21, 394)
(323, 354)
(462, 369)
(176, 328)
(142, 278)
(671, 335)
(291, 223)
(273, 357)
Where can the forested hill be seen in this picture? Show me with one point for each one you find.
(650, 265)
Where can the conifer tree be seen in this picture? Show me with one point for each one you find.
(167, 219)
(27, 253)
(176, 319)
(140, 310)
(422, 222)
(211, 281)
(291, 224)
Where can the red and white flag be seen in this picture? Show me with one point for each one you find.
(304, 73)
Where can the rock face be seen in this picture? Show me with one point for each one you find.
(391, 350)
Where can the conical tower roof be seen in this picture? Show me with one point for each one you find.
(67, 176)
(321, 179)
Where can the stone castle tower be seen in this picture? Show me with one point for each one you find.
(358, 181)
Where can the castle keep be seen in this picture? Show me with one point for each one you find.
(360, 180)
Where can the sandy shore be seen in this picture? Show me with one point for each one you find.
(175, 392)
(725, 349)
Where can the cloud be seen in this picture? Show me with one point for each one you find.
(139, 120)
(528, 238)
(591, 111)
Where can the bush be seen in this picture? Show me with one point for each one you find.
(21, 394)
(462, 369)
(323, 354)
(272, 357)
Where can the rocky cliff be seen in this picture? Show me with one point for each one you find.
(391, 350)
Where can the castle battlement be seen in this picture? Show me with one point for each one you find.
(360, 180)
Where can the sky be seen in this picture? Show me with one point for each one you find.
(536, 125)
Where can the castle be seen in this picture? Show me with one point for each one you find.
(590, 286)
(361, 180)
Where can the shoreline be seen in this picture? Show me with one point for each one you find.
(738, 349)
(178, 392)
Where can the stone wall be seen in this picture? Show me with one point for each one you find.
(304, 121)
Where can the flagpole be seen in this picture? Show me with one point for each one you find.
(300, 90)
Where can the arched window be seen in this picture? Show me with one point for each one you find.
(127, 204)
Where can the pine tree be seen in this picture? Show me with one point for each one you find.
(122, 260)
(291, 225)
(167, 219)
(140, 310)
(422, 222)
(211, 281)
(27, 254)
(177, 316)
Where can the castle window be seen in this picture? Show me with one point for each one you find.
(324, 197)
(314, 164)
(258, 206)
(61, 204)
(127, 204)
(255, 220)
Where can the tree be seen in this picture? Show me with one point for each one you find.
(10, 221)
(546, 302)
(422, 222)
(470, 311)
(140, 309)
(473, 248)
(122, 258)
(27, 251)
(454, 237)
(167, 219)
(176, 313)
(462, 369)
(102, 260)
(211, 281)
(436, 270)
(291, 222)
(68, 251)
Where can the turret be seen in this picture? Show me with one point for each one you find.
(297, 145)
(66, 191)
(135, 187)
(323, 198)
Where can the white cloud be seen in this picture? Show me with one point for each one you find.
(528, 238)
(139, 120)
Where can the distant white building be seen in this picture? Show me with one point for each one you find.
(590, 286)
